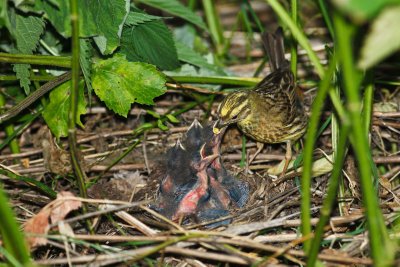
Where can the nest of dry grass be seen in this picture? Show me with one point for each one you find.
(124, 230)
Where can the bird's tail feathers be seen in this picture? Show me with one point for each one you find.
(274, 46)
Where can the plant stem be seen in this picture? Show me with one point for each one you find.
(316, 111)
(64, 62)
(298, 34)
(324, 10)
(20, 129)
(330, 196)
(368, 103)
(239, 81)
(9, 129)
(36, 185)
(15, 110)
(40, 78)
(192, 4)
(293, 47)
(80, 174)
(214, 25)
(254, 16)
(381, 249)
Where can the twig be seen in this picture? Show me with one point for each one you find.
(256, 226)
(131, 220)
(14, 111)
(100, 212)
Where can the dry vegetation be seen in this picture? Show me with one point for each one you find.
(125, 231)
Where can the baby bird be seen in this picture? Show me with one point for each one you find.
(196, 182)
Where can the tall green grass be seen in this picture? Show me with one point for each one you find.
(353, 129)
(15, 249)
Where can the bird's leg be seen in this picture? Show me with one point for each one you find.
(260, 147)
(288, 157)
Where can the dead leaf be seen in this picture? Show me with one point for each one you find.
(53, 212)
(59, 212)
(38, 224)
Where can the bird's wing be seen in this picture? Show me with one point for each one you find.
(278, 89)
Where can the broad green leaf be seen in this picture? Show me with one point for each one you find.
(56, 112)
(136, 18)
(361, 10)
(383, 38)
(188, 55)
(105, 19)
(150, 42)
(57, 15)
(85, 60)
(176, 8)
(102, 20)
(26, 29)
(120, 83)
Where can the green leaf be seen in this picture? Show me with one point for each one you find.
(4, 21)
(27, 31)
(106, 19)
(161, 125)
(102, 20)
(172, 118)
(361, 10)
(136, 18)
(56, 112)
(23, 73)
(85, 60)
(153, 114)
(188, 55)
(58, 15)
(174, 7)
(150, 42)
(120, 83)
(383, 39)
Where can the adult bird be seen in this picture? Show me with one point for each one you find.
(271, 112)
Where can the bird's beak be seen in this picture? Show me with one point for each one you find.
(219, 126)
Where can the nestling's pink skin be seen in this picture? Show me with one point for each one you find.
(167, 184)
(221, 193)
(190, 201)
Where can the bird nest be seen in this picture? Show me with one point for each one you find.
(141, 205)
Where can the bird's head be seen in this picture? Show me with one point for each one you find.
(234, 108)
